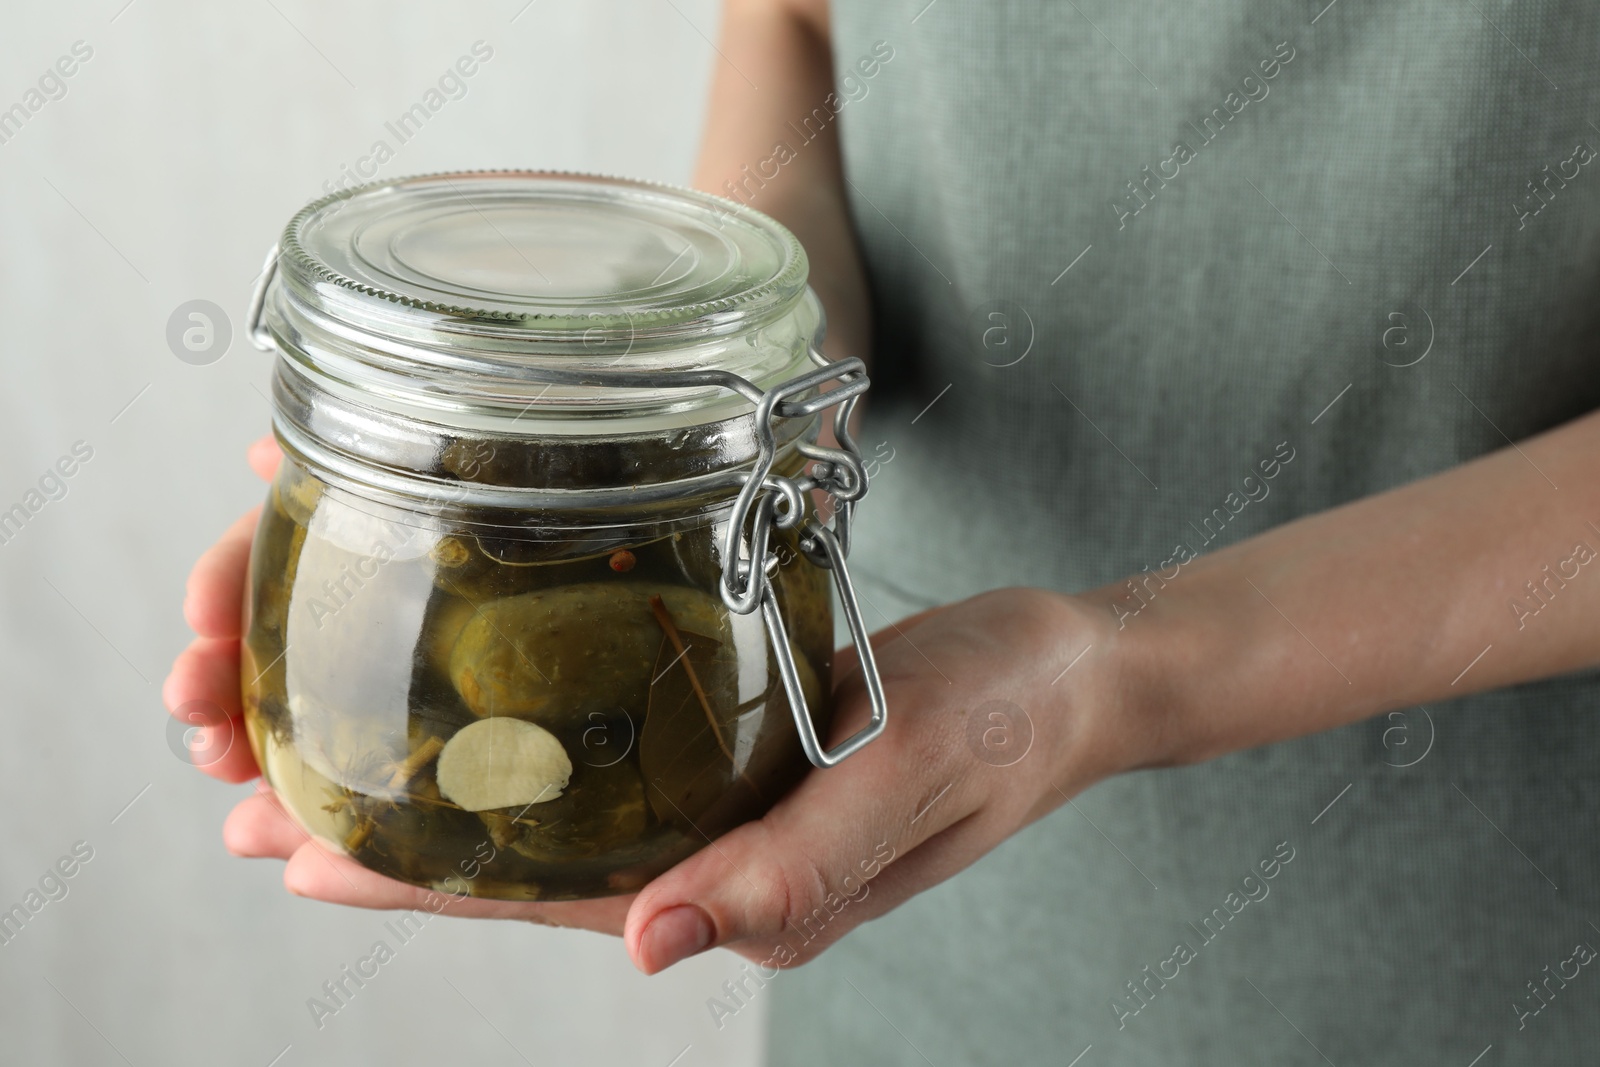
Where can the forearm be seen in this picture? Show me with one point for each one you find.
(1387, 602)
(781, 46)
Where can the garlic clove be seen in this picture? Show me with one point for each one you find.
(502, 762)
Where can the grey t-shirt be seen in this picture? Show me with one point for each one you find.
(1117, 247)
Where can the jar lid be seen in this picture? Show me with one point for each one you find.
(528, 256)
(597, 332)
(534, 293)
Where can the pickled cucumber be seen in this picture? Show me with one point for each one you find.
(557, 655)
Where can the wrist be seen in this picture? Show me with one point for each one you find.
(1102, 682)
(1184, 650)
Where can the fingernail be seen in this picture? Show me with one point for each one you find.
(674, 935)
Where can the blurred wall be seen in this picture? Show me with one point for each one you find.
(158, 173)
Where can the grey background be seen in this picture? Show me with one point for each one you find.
(162, 176)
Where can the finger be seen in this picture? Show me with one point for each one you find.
(222, 750)
(203, 685)
(264, 455)
(318, 872)
(259, 828)
(215, 597)
(819, 848)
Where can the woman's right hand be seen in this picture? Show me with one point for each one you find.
(203, 691)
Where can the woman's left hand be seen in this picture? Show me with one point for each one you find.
(988, 730)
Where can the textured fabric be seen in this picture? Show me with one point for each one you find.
(1256, 297)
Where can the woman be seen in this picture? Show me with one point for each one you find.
(1275, 331)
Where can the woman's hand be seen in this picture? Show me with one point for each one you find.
(994, 720)
(988, 730)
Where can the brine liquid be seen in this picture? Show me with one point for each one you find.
(372, 641)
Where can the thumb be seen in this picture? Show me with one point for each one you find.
(755, 885)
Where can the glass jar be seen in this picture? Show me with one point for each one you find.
(540, 600)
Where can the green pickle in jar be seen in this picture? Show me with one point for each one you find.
(542, 566)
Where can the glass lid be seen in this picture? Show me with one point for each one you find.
(518, 256)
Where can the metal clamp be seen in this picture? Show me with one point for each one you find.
(809, 740)
(776, 501)
(254, 328)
